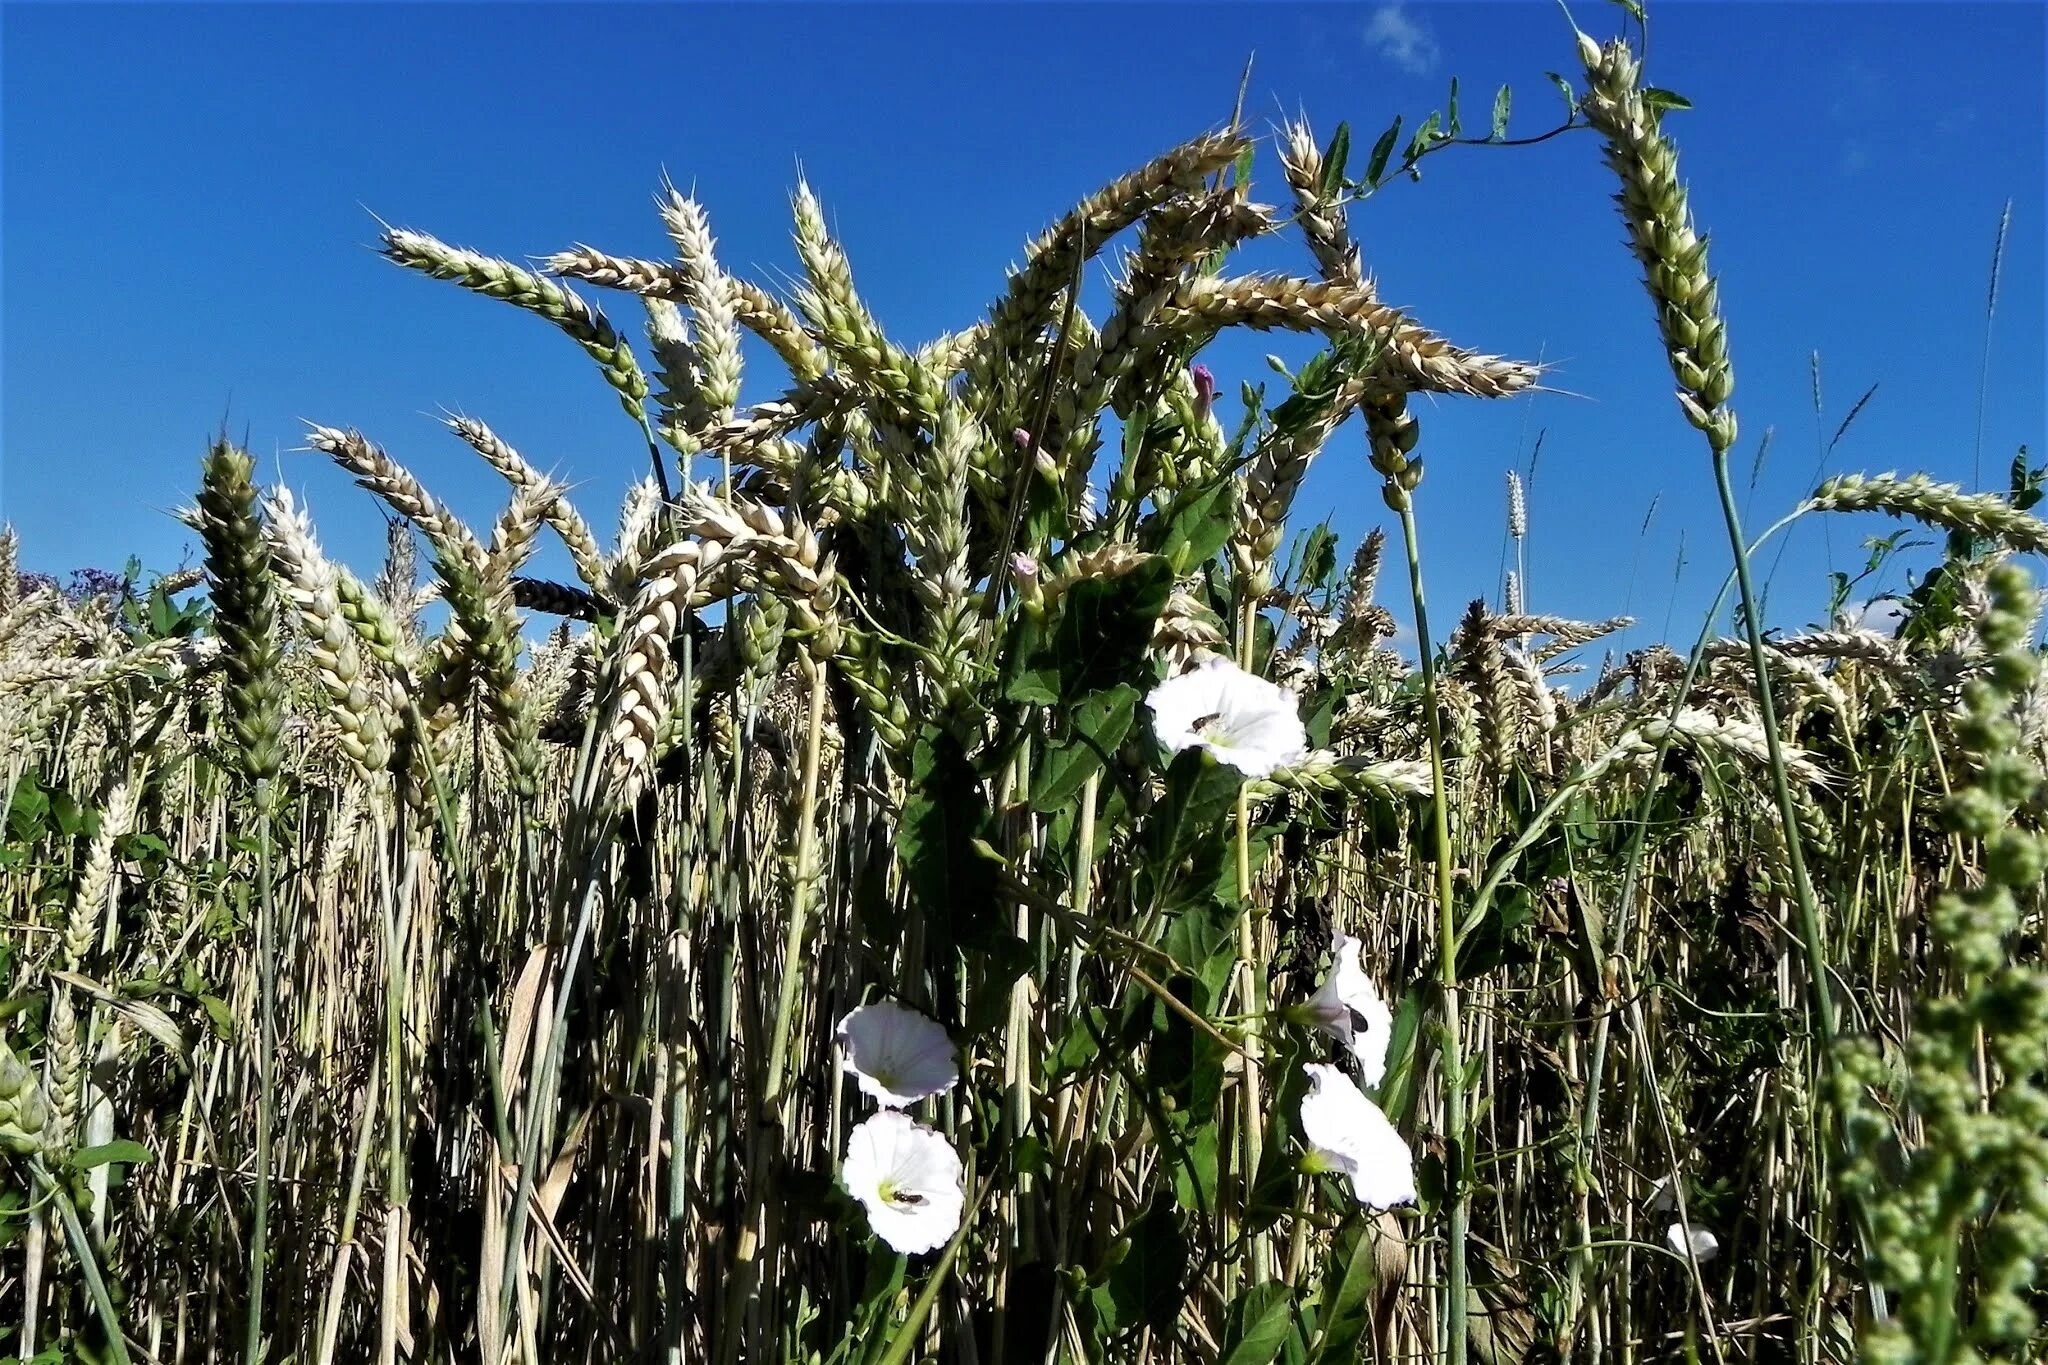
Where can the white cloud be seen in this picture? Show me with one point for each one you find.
(1884, 615)
(1402, 39)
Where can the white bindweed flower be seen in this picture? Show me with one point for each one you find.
(909, 1179)
(1351, 1136)
(1243, 720)
(1349, 1008)
(1705, 1245)
(897, 1055)
(1662, 1198)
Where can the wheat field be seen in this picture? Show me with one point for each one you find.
(966, 874)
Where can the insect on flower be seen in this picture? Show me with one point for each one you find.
(1243, 720)
(908, 1178)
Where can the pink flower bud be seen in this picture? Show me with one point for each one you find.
(1023, 567)
(1205, 390)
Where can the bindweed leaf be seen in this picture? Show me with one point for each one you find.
(1259, 1323)
(1334, 158)
(1564, 88)
(121, 1150)
(1376, 164)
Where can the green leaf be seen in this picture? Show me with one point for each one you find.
(1105, 628)
(1334, 158)
(1099, 725)
(1424, 138)
(1564, 87)
(1199, 793)
(1376, 164)
(1318, 560)
(1502, 101)
(1451, 118)
(1241, 169)
(1196, 1171)
(944, 813)
(1664, 99)
(1259, 1324)
(1145, 1284)
(121, 1150)
(1348, 1287)
(1192, 527)
(220, 1016)
(1397, 1089)
(1079, 1047)
(1634, 8)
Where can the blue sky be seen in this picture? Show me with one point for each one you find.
(187, 198)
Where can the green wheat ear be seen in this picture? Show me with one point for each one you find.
(244, 607)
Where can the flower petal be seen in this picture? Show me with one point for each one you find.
(908, 1179)
(1704, 1244)
(1351, 1133)
(1245, 721)
(897, 1055)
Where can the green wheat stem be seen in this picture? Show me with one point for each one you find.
(774, 1104)
(1456, 1327)
(1253, 974)
(266, 1074)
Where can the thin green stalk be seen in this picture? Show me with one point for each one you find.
(1456, 1326)
(1253, 976)
(773, 1103)
(1781, 784)
(266, 1075)
(88, 1263)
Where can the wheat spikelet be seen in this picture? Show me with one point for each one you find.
(642, 529)
(10, 570)
(556, 599)
(652, 279)
(358, 698)
(1321, 217)
(1052, 258)
(948, 355)
(1539, 704)
(66, 1059)
(844, 326)
(678, 401)
(768, 318)
(391, 481)
(20, 616)
(1945, 505)
(89, 901)
(1708, 732)
(1418, 358)
(244, 610)
(512, 540)
(1655, 209)
(498, 279)
(711, 298)
(1326, 773)
(638, 685)
(545, 496)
